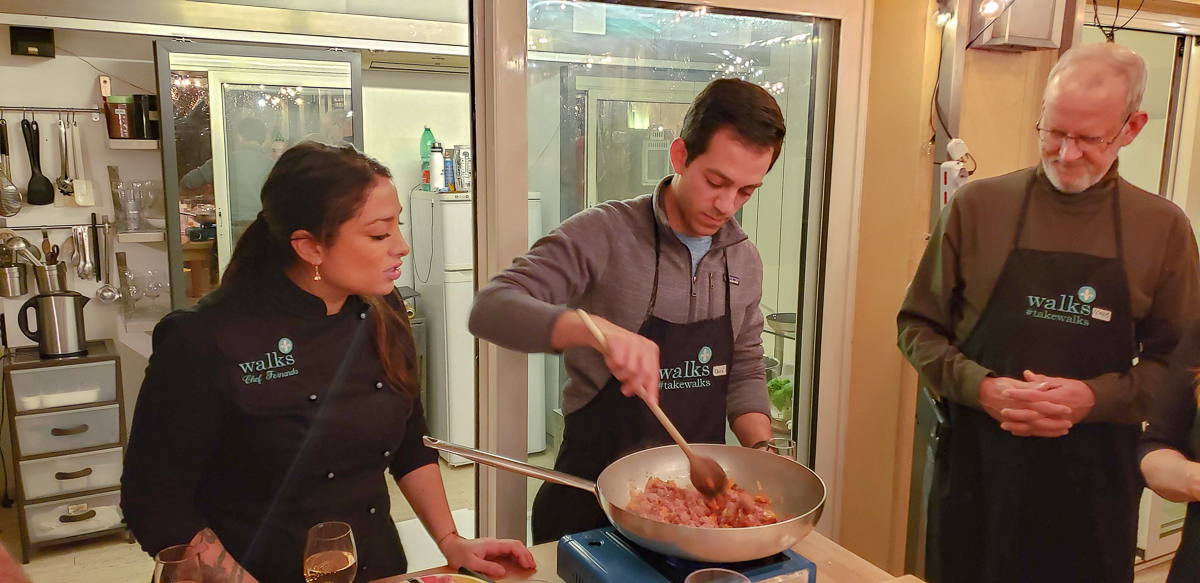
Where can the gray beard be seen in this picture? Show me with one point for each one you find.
(1053, 177)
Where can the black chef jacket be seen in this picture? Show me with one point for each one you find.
(261, 416)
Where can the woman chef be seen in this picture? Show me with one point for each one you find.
(279, 401)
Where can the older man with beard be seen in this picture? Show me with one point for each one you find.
(1037, 293)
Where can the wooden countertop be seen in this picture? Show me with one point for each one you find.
(834, 565)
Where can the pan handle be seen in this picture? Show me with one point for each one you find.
(497, 461)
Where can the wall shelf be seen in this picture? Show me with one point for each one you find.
(143, 320)
(127, 144)
(140, 236)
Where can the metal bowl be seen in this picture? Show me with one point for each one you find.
(772, 365)
(782, 322)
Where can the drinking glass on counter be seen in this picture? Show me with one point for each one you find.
(177, 564)
(716, 576)
(133, 289)
(329, 554)
(154, 286)
(131, 196)
(784, 446)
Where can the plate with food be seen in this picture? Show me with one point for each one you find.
(453, 578)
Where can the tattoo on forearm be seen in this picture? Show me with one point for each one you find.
(224, 567)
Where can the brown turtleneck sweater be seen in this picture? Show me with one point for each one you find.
(972, 240)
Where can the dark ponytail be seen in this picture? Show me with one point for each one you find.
(318, 188)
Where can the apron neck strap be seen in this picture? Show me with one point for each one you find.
(725, 256)
(1024, 209)
(1116, 212)
(657, 253)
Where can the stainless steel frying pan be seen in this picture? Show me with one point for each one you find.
(794, 491)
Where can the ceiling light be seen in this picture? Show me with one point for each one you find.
(990, 8)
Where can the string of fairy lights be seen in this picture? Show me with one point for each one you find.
(731, 63)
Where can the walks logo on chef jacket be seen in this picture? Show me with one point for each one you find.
(692, 374)
(268, 367)
(1077, 308)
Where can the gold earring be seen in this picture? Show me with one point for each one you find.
(316, 273)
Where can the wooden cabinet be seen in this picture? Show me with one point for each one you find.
(66, 417)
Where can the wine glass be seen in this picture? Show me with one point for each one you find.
(133, 290)
(154, 287)
(329, 555)
(177, 564)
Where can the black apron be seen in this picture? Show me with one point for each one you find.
(1005, 508)
(694, 361)
(1185, 567)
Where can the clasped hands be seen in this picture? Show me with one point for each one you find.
(1038, 406)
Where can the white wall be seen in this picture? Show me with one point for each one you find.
(396, 109)
(67, 81)
(545, 111)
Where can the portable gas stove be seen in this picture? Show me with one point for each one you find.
(604, 556)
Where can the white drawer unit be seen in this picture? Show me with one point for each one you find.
(73, 517)
(73, 473)
(68, 430)
(67, 423)
(64, 386)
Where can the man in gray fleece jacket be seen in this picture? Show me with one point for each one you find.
(674, 267)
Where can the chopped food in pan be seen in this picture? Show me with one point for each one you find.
(666, 501)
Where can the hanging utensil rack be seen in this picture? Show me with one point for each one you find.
(95, 111)
(106, 225)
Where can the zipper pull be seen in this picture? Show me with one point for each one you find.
(693, 286)
(710, 285)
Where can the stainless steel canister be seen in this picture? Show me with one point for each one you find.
(51, 277)
(12, 280)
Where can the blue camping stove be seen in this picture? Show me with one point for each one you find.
(604, 556)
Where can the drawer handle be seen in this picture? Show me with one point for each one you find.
(85, 472)
(59, 432)
(69, 518)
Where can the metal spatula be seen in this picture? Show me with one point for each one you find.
(707, 475)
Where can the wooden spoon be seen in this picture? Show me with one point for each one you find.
(707, 475)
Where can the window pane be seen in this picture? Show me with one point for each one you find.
(1142, 161)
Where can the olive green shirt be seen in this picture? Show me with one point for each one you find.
(971, 242)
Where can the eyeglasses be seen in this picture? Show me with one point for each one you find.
(1054, 138)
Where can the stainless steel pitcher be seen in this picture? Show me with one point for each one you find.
(60, 330)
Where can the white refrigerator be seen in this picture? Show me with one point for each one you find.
(443, 252)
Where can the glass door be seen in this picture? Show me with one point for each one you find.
(608, 87)
(260, 121)
(233, 110)
(1148, 164)
(1144, 163)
